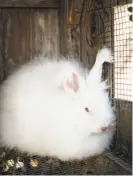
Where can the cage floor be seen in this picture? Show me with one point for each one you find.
(14, 163)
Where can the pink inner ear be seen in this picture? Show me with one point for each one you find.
(74, 82)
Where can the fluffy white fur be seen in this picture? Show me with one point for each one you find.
(42, 109)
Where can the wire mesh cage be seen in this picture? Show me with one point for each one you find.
(106, 23)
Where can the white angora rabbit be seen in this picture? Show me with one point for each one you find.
(57, 108)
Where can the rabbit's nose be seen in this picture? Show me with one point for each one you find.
(104, 128)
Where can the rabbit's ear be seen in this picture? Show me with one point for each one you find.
(72, 82)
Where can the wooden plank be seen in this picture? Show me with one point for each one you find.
(44, 33)
(28, 33)
(1, 48)
(75, 7)
(121, 2)
(63, 27)
(83, 54)
(89, 41)
(16, 37)
(124, 127)
(30, 3)
(74, 41)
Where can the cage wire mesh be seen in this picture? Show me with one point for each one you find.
(117, 33)
(113, 24)
(122, 73)
(123, 54)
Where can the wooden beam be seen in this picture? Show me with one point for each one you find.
(63, 27)
(30, 3)
(75, 7)
(83, 54)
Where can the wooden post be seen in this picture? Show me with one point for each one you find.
(63, 27)
(30, 3)
(75, 11)
(83, 55)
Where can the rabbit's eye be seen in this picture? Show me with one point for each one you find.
(86, 109)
